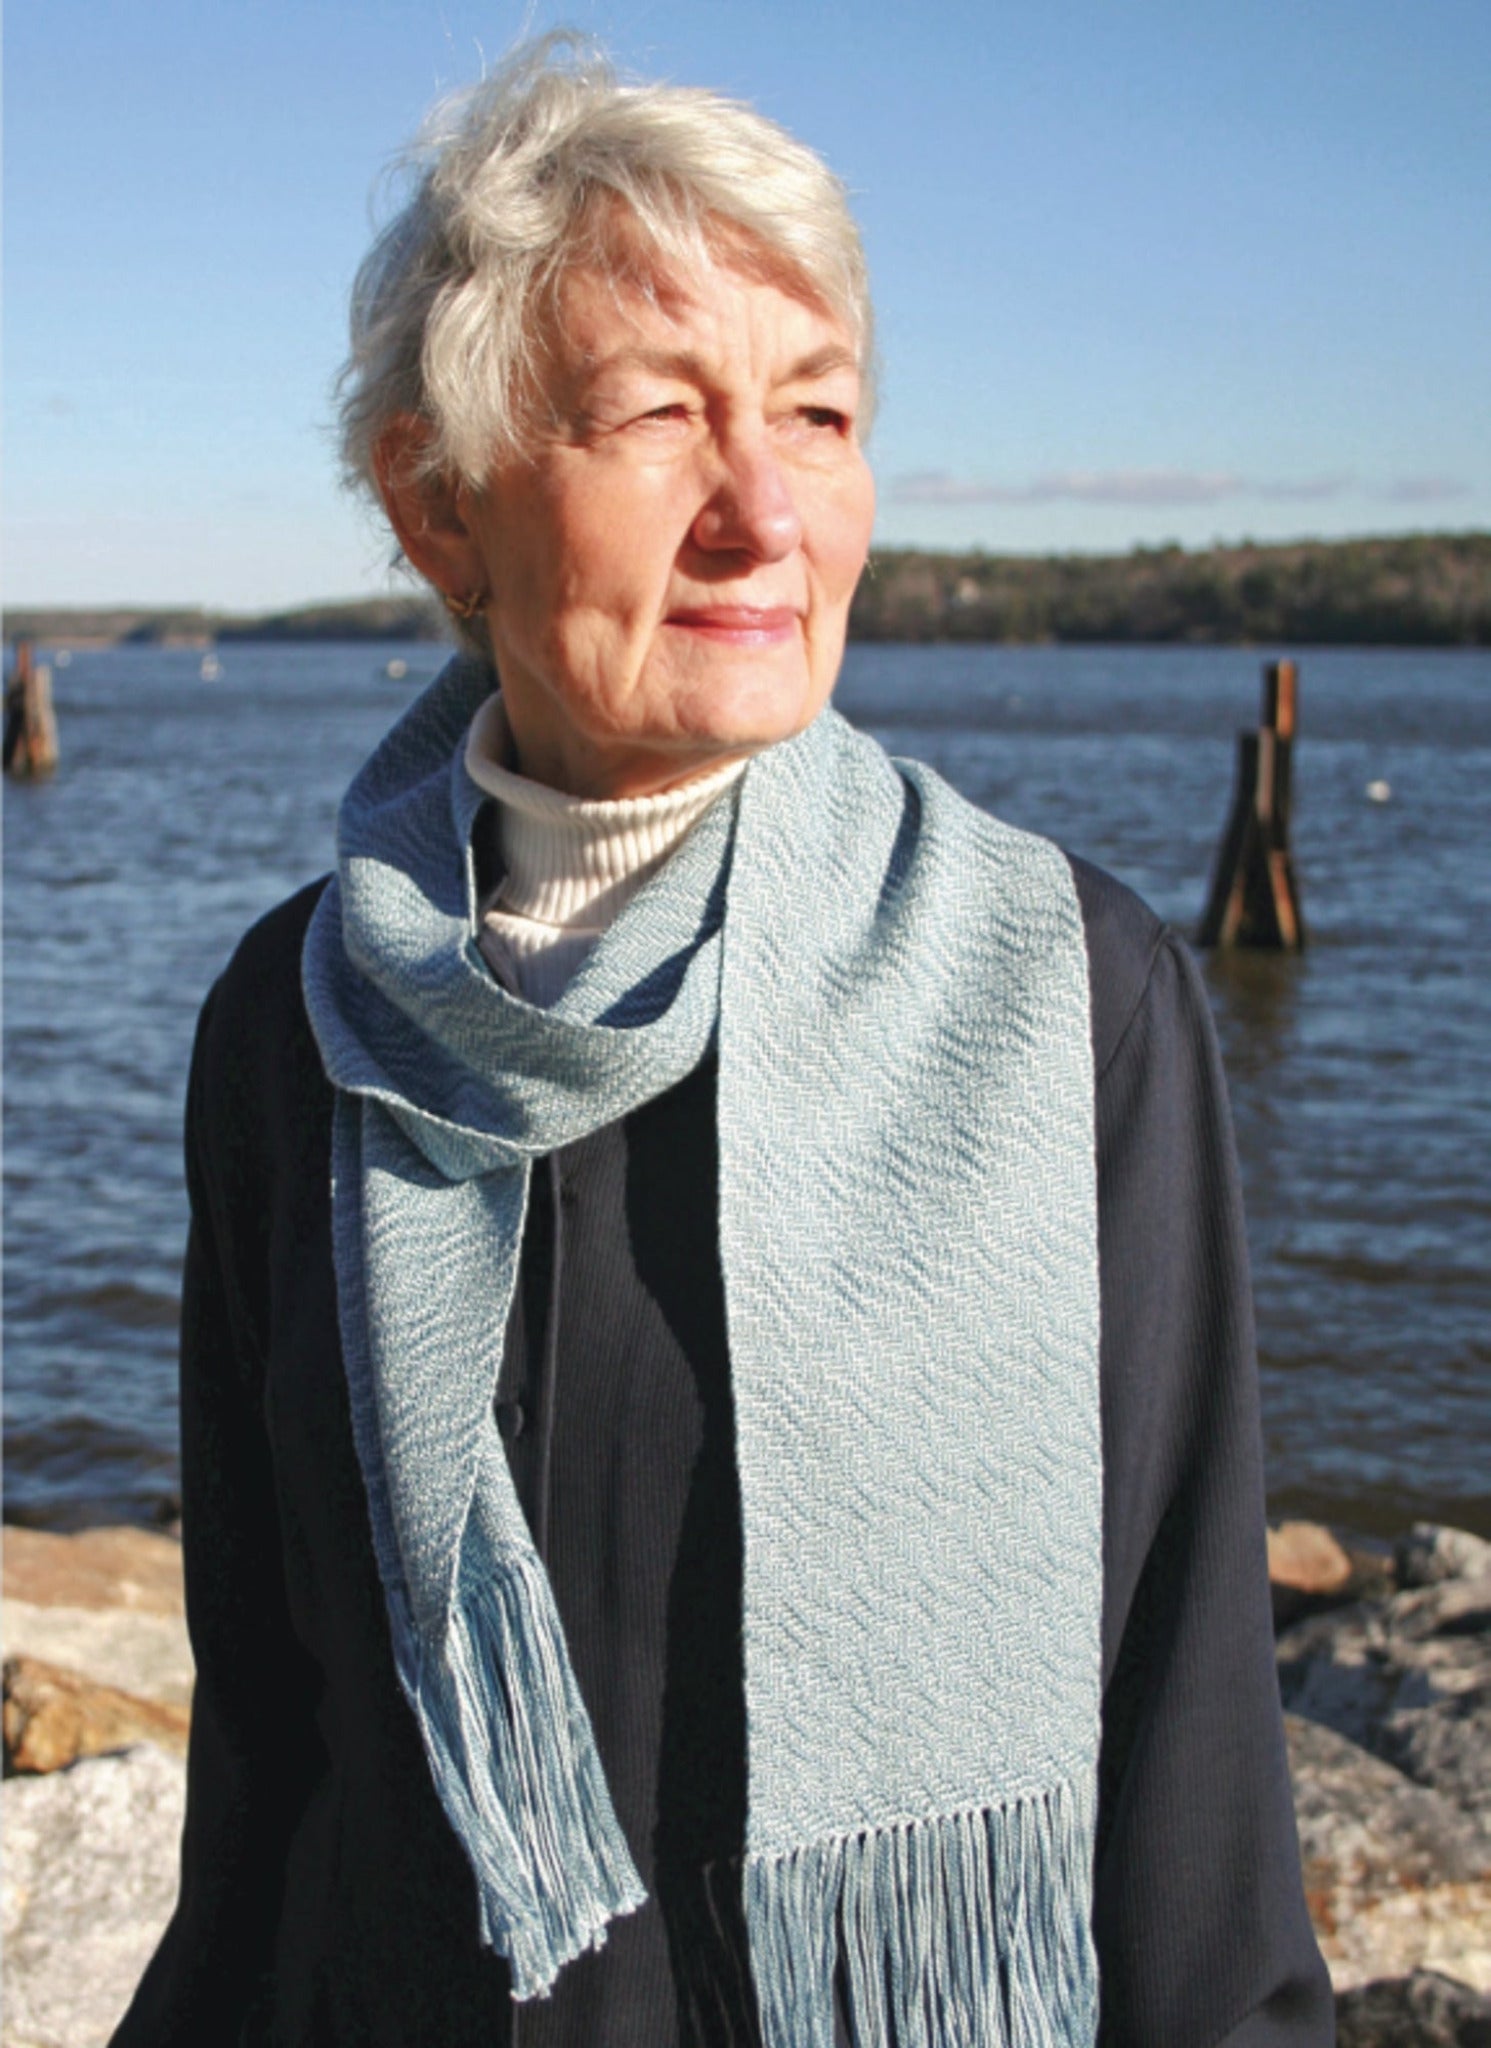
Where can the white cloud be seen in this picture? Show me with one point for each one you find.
(936, 487)
(1300, 490)
(1111, 487)
(1426, 490)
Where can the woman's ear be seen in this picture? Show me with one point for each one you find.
(426, 512)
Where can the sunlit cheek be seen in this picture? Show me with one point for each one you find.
(842, 524)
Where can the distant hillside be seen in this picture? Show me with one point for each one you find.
(375, 618)
(385, 618)
(1425, 590)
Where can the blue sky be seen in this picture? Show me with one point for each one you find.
(1144, 271)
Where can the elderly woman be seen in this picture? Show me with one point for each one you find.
(720, 1456)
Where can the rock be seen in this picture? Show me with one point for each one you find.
(1307, 1570)
(1425, 2010)
(91, 1865)
(1430, 1553)
(53, 1717)
(96, 1568)
(1370, 1822)
(1408, 1678)
(1446, 1743)
(1374, 1575)
(1307, 1557)
(143, 1653)
(1397, 1876)
(1452, 1607)
(104, 1603)
(1337, 1669)
(1392, 1786)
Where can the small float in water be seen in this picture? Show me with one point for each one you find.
(211, 668)
(396, 670)
(1379, 792)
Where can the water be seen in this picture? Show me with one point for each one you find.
(1360, 1072)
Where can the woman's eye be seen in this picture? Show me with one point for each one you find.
(674, 410)
(826, 417)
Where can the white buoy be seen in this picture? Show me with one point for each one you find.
(1379, 792)
(396, 670)
(211, 668)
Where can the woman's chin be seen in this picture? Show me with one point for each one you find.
(749, 704)
(676, 727)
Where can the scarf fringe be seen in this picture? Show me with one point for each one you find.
(968, 1930)
(515, 1764)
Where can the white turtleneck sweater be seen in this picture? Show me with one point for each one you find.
(570, 866)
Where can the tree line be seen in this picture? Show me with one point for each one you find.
(1421, 590)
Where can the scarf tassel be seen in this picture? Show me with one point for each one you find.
(515, 1764)
(968, 1930)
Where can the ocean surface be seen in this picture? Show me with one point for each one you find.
(1360, 1071)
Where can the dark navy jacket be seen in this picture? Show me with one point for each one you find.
(325, 1902)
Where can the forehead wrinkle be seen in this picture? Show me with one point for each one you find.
(688, 363)
(822, 362)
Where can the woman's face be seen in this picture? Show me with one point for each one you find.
(669, 572)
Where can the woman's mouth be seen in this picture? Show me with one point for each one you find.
(737, 625)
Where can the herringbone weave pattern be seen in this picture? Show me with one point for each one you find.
(897, 988)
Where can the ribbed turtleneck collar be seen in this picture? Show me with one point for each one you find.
(570, 864)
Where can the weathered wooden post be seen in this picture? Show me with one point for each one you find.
(1254, 900)
(30, 726)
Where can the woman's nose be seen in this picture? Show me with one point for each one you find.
(751, 508)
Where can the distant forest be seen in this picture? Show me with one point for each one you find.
(1423, 590)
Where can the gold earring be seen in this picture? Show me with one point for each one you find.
(466, 608)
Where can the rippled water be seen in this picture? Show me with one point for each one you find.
(1361, 1072)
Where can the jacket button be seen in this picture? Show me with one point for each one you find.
(512, 1419)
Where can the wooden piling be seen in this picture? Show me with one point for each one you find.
(1254, 899)
(30, 724)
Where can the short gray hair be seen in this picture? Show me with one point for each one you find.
(514, 180)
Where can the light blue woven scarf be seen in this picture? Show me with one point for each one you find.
(897, 989)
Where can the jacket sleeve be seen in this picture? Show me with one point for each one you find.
(1199, 1914)
(254, 1748)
